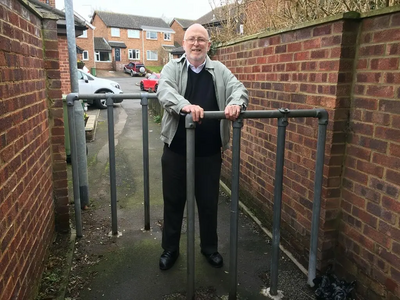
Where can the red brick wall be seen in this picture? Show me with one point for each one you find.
(86, 43)
(369, 238)
(64, 65)
(32, 155)
(295, 70)
(323, 66)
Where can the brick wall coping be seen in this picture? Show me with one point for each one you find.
(342, 16)
(43, 14)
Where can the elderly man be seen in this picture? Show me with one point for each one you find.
(193, 84)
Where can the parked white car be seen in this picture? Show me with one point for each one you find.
(89, 84)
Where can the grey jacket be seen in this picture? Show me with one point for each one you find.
(172, 86)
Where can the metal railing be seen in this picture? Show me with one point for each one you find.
(282, 115)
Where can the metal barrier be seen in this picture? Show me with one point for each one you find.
(282, 115)
(111, 145)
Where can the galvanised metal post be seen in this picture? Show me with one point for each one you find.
(190, 190)
(74, 161)
(237, 127)
(81, 151)
(79, 114)
(111, 149)
(319, 166)
(280, 156)
(145, 132)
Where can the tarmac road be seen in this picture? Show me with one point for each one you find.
(126, 267)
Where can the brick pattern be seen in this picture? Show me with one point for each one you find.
(322, 66)
(370, 234)
(300, 70)
(32, 155)
(64, 65)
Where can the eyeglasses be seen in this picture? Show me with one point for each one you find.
(193, 40)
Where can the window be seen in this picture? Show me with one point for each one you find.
(151, 35)
(102, 56)
(133, 53)
(167, 36)
(114, 31)
(85, 55)
(152, 55)
(135, 34)
(84, 34)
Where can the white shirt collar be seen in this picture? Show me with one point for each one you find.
(198, 69)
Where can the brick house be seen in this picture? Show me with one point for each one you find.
(212, 20)
(117, 39)
(179, 26)
(84, 44)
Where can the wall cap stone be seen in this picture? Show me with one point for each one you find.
(382, 11)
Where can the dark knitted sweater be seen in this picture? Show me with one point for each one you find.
(200, 91)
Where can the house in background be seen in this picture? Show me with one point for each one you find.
(85, 45)
(121, 38)
(228, 17)
(180, 26)
(213, 21)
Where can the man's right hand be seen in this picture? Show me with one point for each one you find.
(196, 111)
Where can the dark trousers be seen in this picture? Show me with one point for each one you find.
(207, 173)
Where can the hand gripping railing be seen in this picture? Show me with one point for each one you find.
(282, 115)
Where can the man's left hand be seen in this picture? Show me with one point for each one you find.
(232, 112)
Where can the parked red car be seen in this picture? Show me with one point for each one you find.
(135, 69)
(150, 84)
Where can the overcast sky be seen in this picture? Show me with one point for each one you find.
(184, 9)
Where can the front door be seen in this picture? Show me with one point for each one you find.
(117, 54)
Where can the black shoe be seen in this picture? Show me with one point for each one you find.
(167, 259)
(214, 259)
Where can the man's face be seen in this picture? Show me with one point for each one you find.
(196, 45)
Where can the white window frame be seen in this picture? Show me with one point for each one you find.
(133, 34)
(85, 55)
(167, 36)
(115, 32)
(97, 56)
(149, 35)
(83, 35)
(133, 54)
(150, 53)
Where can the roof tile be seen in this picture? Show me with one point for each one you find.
(111, 19)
